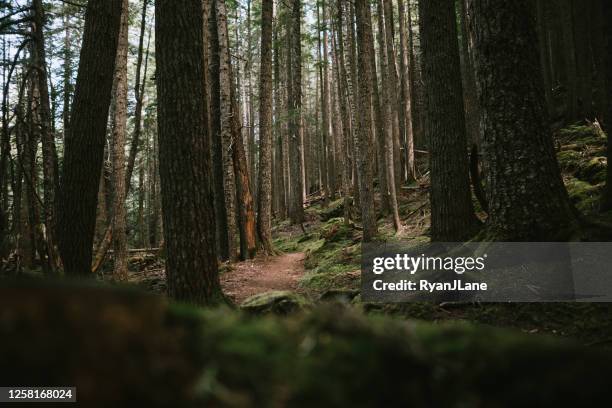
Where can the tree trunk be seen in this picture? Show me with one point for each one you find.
(221, 214)
(343, 96)
(406, 93)
(295, 121)
(50, 167)
(527, 199)
(118, 151)
(227, 134)
(470, 98)
(393, 87)
(84, 144)
(452, 211)
(364, 149)
(139, 92)
(264, 181)
(184, 154)
(389, 114)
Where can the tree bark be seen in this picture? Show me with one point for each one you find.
(118, 151)
(406, 93)
(364, 150)
(184, 154)
(296, 212)
(84, 144)
(452, 211)
(264, 181)
(527, 199)
(227, 133)
(50, 167)
(388, 72)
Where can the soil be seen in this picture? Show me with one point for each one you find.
(262, 274)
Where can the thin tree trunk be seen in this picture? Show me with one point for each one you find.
(139, 92)
(118, 151)
(50, 167)
(227, 135)
(264, 196)
(406, 93)
(295, 122)
(388, 137)
(364, 150)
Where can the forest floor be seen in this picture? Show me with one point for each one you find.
(321, 262)
(263, 274)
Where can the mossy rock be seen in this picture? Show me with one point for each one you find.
(277, 302)
(334, 210)
(123, 348)
(339, 295)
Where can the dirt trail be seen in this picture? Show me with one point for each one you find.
(263, 274)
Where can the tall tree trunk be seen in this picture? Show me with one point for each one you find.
(452, 211)
(364, 149)
(406, 90)
(226, 126)
(50, 167)
(84, 144)
(246, 208)
(139, 92)
(470, 98)
(527, 199)
(324, 126)
(118, 151)
(388, 86)
(344, 104)
(392, 90)
(184, 154)
(225, 245)
(264, 186)
(296, 212)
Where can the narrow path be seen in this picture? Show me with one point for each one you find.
(263, 274)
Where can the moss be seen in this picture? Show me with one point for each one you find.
(120, 347)
(584, 195)
(277, 302)
(568, 160)
(593, 170)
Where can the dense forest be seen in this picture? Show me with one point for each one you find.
(166, 162)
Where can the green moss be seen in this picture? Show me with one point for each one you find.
(569, 160)
(277, 302)
(338, 254)
(584, 195)
(139, 349)
(593, 170)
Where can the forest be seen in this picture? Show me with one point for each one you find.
(188, 189)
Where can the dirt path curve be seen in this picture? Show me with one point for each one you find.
(260, 275)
